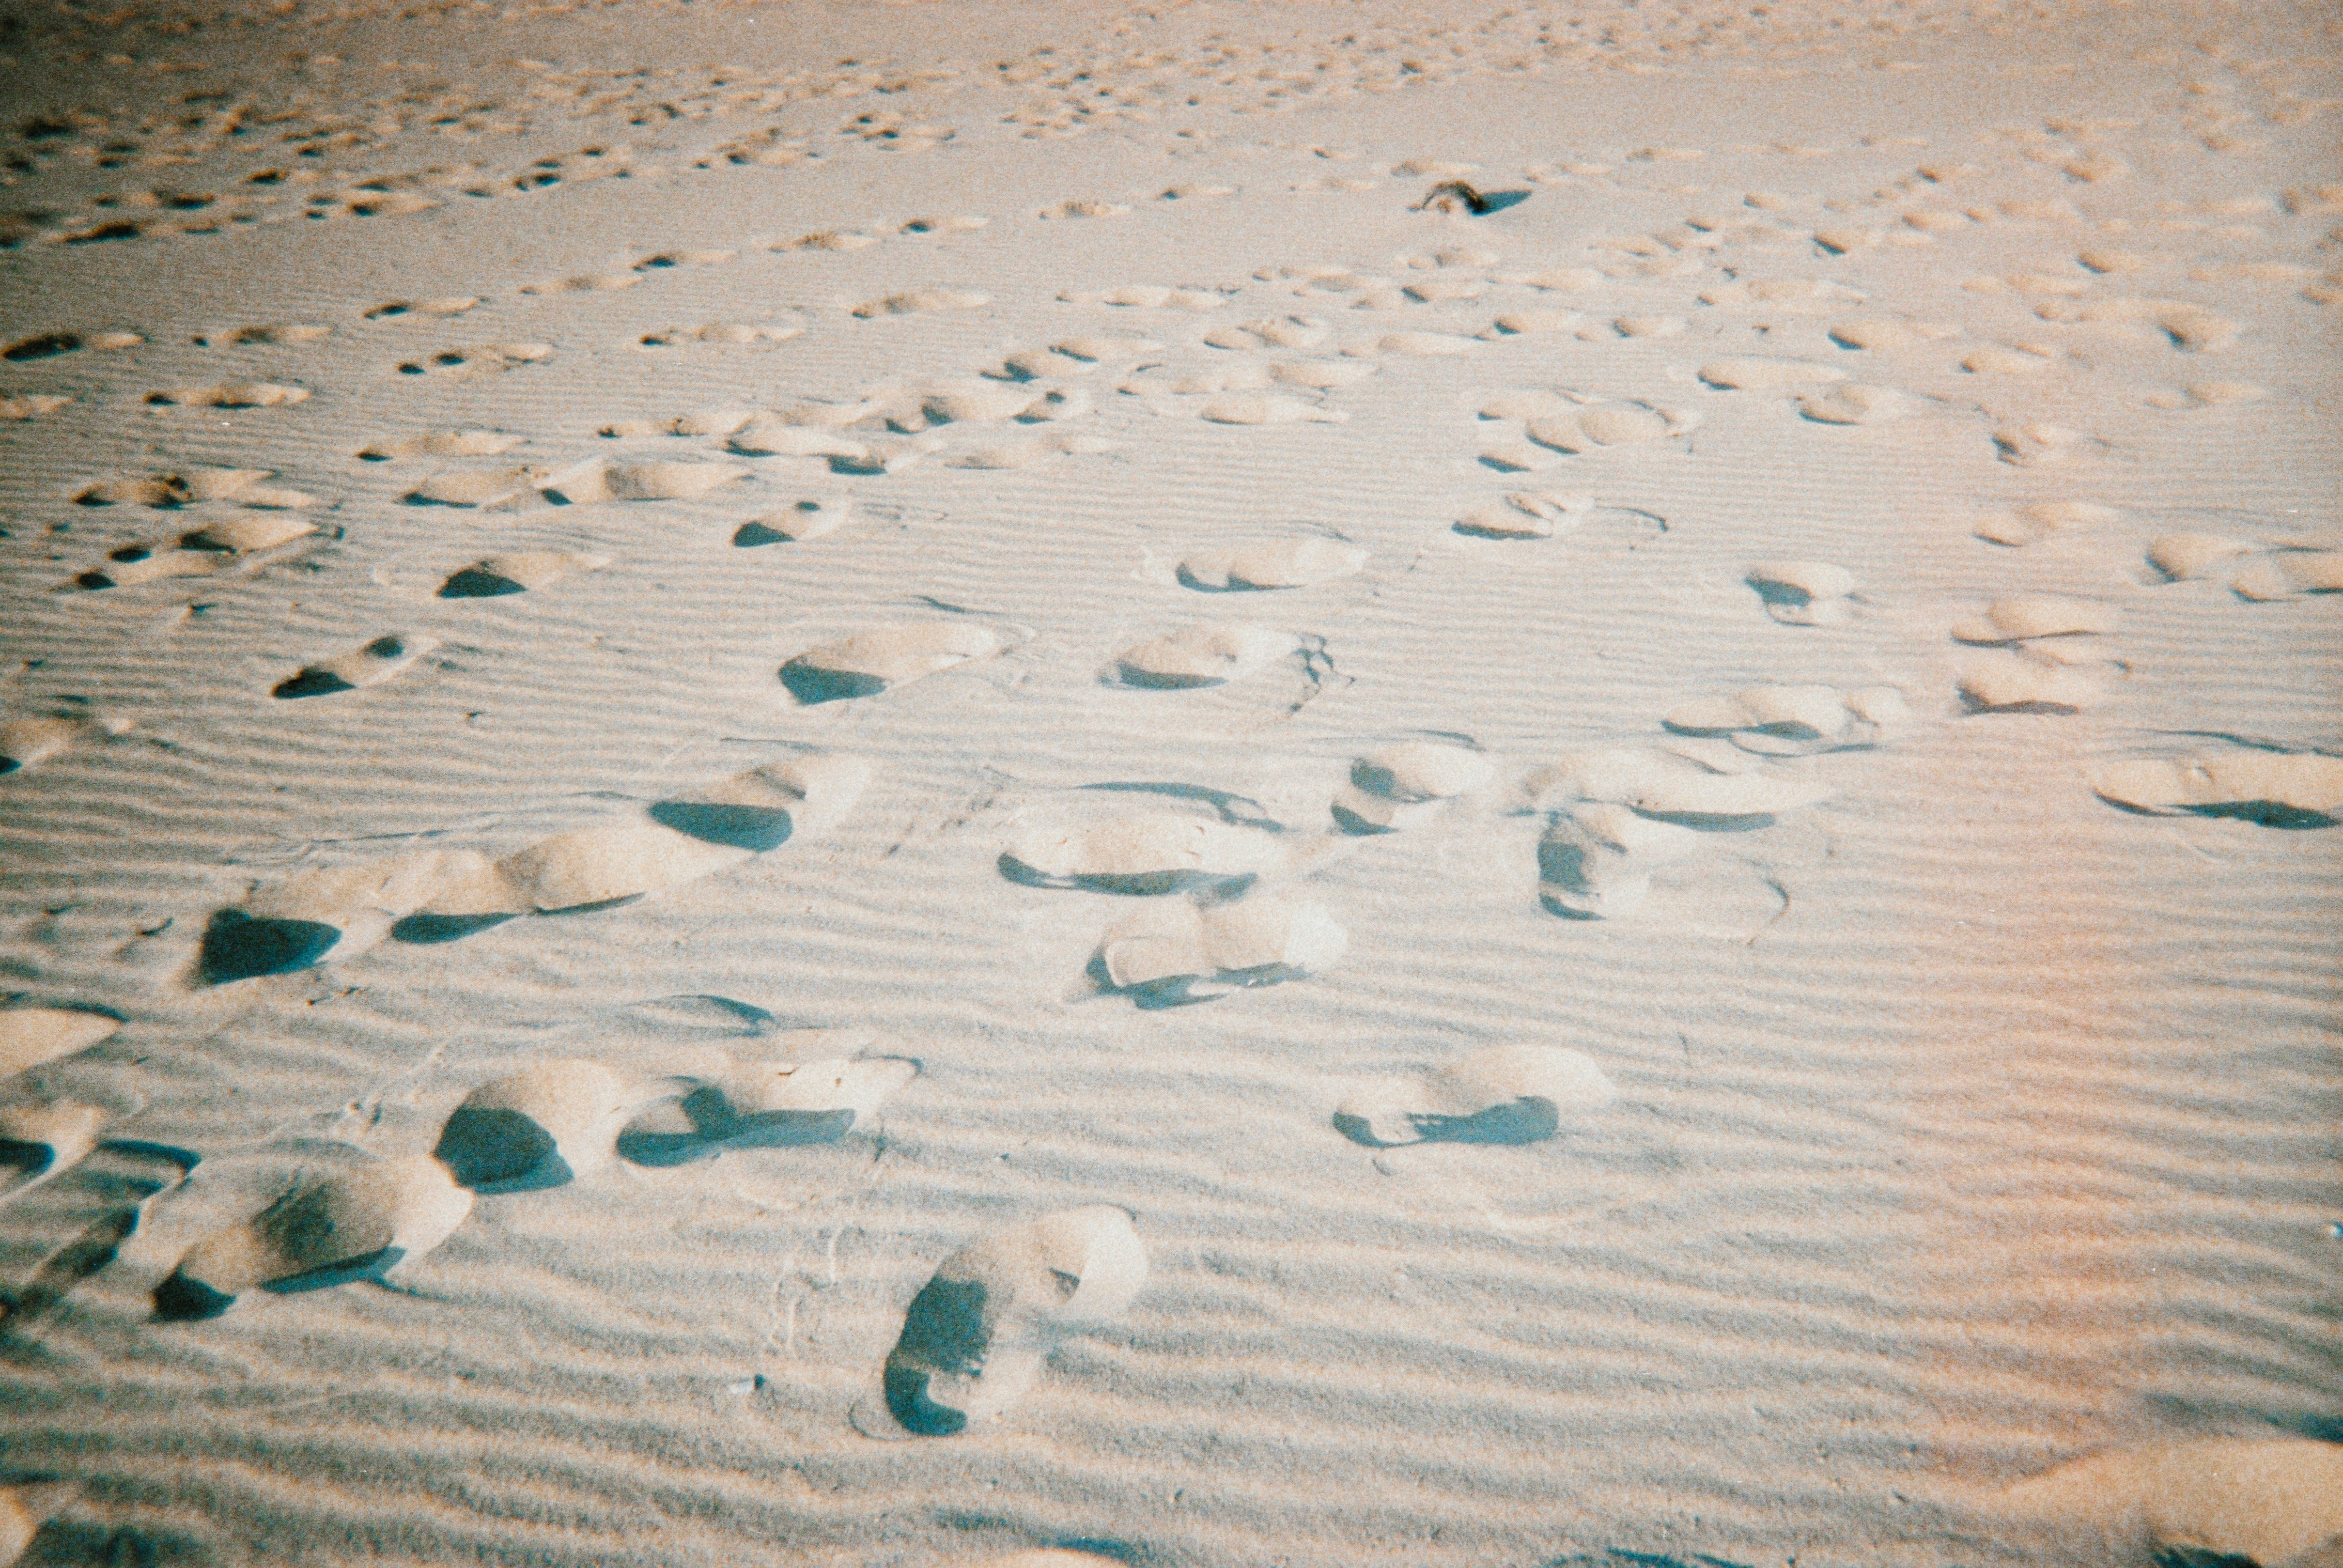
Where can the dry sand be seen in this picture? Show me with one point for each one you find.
(900, 784)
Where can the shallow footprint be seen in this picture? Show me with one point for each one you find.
(1796, 720)
(1525, 515)
(1595, 861)
(1804, 593)
(56, 1234)
(31, 1036)
(2024, 618)
(26, 742)
(1169, 954)
(809, 519)
(230, 395)
(369, 664)
(979, 1332)
(1499, 1094)
(519, 573)
(1158, 852)
(2211, 1501)
(539, 1126)
(1287, 564)
(1406, 784)
(361, 1221)
(785, 1103)
(2277, 788)
(1211, 653)
(872, 662)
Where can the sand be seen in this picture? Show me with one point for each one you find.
(1518, 785)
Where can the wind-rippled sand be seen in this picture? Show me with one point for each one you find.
(887, 786)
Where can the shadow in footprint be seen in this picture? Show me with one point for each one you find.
(425, 929)
(311, 683)
(703, 1124)
(495, 1151)
(755, 828)
(944, 1332)
(811, 686)
(473, 582)
(238, 946)
(751, 535)
(54, 1236)
(1529, 1120)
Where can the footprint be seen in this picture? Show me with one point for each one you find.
(1499, 1094)
(185, 488)
(361, 1223)
(1596, 860)
(770, 435)
(2026, 616)
(1885, 333)
(230, 395)
(1158, 852)
(284, 333)
(1646, 327)
(922, 301)
(518, 573)
(1287, 564)
(1259, 409)
(442, 444)
(1406, 784)
(1150, 297)
(1994, 360)
(1440, 288)
(977, 1335)
(2277, 788)
(1804, 593)
(1322, 374)
(1768, 375)
(542, 1125)
(1212, 653)
(640, 481)
(735, 332)
(2286, 573)
(872, 662)
(31, 405)
(33, 1036)
(199, 552)
(1420, 345)
(1796, 720)
(2183, 557)
(772, 1104)
(2025, 686)
(439, 307)
(1610, 425)
(482, 359)
(839, 240)
(41, 1139)
(340, 911)
(1527, 514)
(477, 487)
(369, 664)
(1295, 332)
(592, 283)
(1066, 209)
(1530, 322)
(809, 519)
(764, 808)
(962, 223)
(1855, 405)
(1678, 791)
(2037, 520)
(55, 1235)
(25, 741)
(2220, 1500)
(1174, 952)
(667, 258)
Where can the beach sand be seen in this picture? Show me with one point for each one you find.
(882, 785)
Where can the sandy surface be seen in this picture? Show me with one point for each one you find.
(581, 542)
